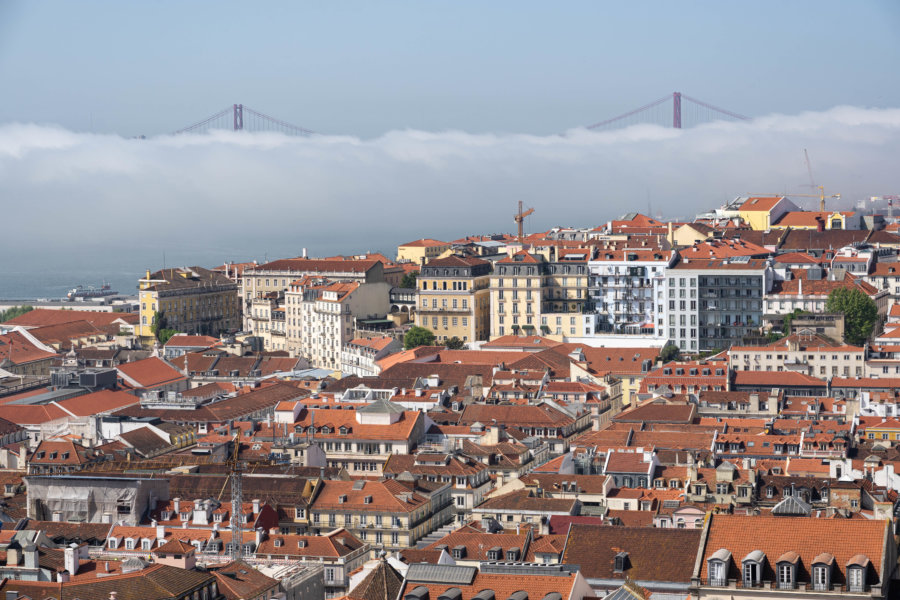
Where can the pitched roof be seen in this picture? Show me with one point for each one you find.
(760, 203)
(19, 350)
(775, 536)
(424, 243)
(42, 317)
(149, 373)
(238, 580)
(654, 554)
(382, 583)
(192, 341)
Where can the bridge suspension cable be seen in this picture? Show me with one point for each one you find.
(239, 118)
(695, 111)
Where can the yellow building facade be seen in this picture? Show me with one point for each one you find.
(421, 250)
(191, 300)
(453, 298)
(760, 213)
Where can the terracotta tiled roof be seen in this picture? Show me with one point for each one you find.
(19, 350)
(542, 415)
(776, 379)
(521, 341)
(98, 403)
(312, 265)
(424, 243)
(149, 373)
(388, 495)
(760, 203)
(658, 412)
(42, 317)
(654, 554)
(31, 414)
(520, 257)
(382, 583)
(238, 580)
(775, 536)
(192, 341)
(522, 500)
(503, 585)
(808, 239)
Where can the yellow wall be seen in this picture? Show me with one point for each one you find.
(475, 298)
(417, 253)
(758, 220)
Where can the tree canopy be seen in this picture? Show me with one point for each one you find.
(669, 352)
(409, 280)
(859, 310)
(13, 312)
(417, 336)
(455, 343)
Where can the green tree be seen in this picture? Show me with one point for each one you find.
(417, 336)
(860, 313)
(669, 352)
(159, 327)
(789, 319)
(455, 343)
(158, 323)
(163, 335)
(409, 280)
(15, 311)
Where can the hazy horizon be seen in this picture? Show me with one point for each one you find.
(85, 203)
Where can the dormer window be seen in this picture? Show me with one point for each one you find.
(342, 498)
(129, 544)
(752, 567)
(185, 516)
(367, 500)
(494, 553)
(821, 572)
(165, 515)
(857, 573)
(717, 565)
(621, 562)
(459, 552)
(278, 542)
(512, 554)
(787, 570)
(217, 517)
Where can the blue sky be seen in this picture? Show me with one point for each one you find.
(365, 68)
(438, 117)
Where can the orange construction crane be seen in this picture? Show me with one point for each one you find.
(519, 218)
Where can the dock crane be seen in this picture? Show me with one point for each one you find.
(519, 218)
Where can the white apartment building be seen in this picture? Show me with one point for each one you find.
(319, 316)
(628, 292)
(801, 353)
(276, 276)
(714, 303)
(360, 356)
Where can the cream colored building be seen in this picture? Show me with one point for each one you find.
(453, 298)
(276, 276)
(532, 296)
(320, 314)
(424, 250)
(191, 300)
(801, 353)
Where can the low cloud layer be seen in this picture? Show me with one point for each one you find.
(72, 198)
